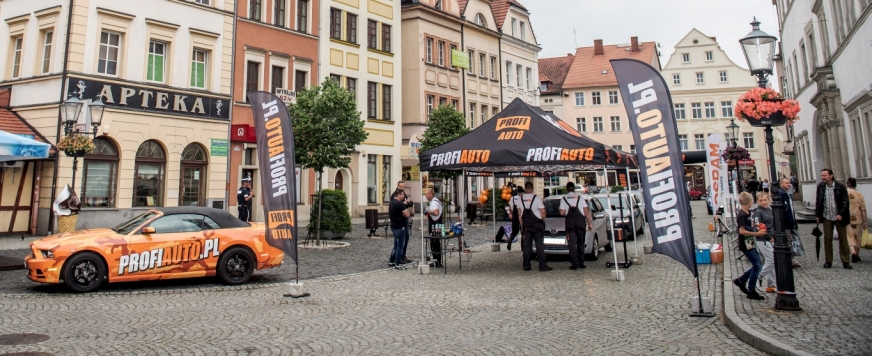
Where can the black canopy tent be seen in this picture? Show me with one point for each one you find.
(523, 138)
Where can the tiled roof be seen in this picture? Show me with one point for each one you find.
(501, 7)
(462, 4)
(14, 124)
(554, 70)
(587, 69)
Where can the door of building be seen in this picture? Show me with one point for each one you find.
(191, 186)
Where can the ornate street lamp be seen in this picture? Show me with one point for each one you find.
(734, 133)
(71, 109)
(759, 48)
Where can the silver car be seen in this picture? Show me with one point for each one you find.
(555, 233)
(621, 217)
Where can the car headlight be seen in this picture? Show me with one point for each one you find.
(47, 253)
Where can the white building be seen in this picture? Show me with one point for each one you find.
(827, 62)
(361, 50)
(519, 52)
(705, 85)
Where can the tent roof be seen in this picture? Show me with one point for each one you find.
(522, 138)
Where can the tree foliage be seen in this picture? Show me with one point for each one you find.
(327, 126)
(445, 124)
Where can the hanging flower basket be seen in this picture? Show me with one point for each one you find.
(737, 154)
(76, 145)
(765, 107)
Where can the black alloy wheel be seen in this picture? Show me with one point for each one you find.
(236, 266)
(84, 272)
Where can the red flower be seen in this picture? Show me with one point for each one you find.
(759, 103)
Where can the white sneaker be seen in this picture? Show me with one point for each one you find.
(400, 267)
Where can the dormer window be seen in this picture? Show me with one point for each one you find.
(479, 20)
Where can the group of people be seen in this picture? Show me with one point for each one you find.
(838, 207)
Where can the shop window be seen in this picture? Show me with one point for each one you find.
(148, 174)
(193, 176)
(100, 174)
(386, 179)
(371, 178)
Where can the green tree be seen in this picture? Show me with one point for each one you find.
(444, 125)
(327, 127)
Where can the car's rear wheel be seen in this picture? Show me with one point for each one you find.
(594, 252)
(608, 248)
(84, 272)
(236, 266)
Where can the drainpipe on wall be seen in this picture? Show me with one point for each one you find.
(500, 80)
(462, 70)
(54, 179)
(230, 119)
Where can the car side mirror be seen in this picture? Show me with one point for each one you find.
(148, 230)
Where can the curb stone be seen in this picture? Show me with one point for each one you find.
(738, 326)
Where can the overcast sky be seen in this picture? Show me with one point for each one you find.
(663, 21)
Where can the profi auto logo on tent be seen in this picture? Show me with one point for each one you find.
(518, 123)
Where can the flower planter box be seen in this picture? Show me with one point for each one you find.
(776, 119)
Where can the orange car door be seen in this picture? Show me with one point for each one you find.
(173, 250)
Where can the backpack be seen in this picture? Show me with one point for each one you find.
(575, 220)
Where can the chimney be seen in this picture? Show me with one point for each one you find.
(634, 44)
(598, 47)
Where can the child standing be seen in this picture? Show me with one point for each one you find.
(747, 233)
(763, 215)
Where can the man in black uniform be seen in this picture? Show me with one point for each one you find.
(243, 200)
(533, 224)
(577, 225)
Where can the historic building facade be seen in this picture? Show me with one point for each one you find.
(362, 51)
(519, 52)
(276, 50)
(705, 85)
(164, 74)
(825, 56)
(481, 41)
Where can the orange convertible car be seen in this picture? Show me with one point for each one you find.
(163, 243)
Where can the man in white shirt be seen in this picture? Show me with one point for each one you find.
(532, 222)
(434, 216)
(577, 224)
(515, 216)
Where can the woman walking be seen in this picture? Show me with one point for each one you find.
(857, 207)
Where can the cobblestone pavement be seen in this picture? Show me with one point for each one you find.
(489, 307)
(835, 317)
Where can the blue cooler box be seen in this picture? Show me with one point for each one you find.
(703, 256)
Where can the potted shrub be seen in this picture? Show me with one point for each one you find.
(765, 106)
(335, 221)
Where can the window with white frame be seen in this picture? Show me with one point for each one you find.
(699, 141)
(723, 76)
(157, 57)
(519, 71)
(199, 63)
(595, 98)
(529, 77)
(682, 142)
(727, 109)
(748, 138)
(633, 149)
(429, 54)
(46, 51)
(17, 51)
(523, 31)
(472, 115)
(514, 27)
(481, 67)
(696, 110)
(471, 68)
(676, 79)
(699, 78)
(581, 124)
(710, 110)
(597, 124)
(860, 159)
(613, 97)
(685, 58)
(508, 73)
(619, 147)
(709, 56)
(110, 48)
(440, 50)
(867, 122)
(579, 99)
(483, 114)
(679, 111)
(616, 123)
(493, 67)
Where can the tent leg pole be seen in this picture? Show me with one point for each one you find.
(611, 222)
(424, 189)
(632, 216)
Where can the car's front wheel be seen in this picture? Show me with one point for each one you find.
(236, 266)
(85, 272)
(594, 252)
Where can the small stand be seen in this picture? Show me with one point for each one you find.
(297, 291)
(627, 263)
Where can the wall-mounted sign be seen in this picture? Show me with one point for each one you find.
(133, 97)
(219, 147)
(242, 133)
(415, 144)
(287, 95)
(459, 59)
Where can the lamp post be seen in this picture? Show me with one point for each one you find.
(734, 132)
(759, 49)
(71, 109)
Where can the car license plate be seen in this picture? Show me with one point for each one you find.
(553, 241)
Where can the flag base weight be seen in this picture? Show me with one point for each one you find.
(648, 250)
(618, 276)
(297, 291)
(637, 260)
(706, 310)
(424, 268)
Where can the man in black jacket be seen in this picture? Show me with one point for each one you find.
(831, 209)
(789, 217)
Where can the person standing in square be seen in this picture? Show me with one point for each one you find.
(577, 225)
(533, 223)
(243, 200)
(833, 210)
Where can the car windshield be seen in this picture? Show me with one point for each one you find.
(615, 202)
(128, 227)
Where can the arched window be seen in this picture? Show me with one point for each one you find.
(193, 175)
(479, 20)
(100, 174)
(149, 174)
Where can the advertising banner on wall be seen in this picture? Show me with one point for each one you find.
(649, 108)
(459, 59)
(275, 142)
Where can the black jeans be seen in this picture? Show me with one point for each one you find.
(244, 212)
(576, 247)
(527, 246)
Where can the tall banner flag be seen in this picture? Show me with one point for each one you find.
(275, 153)
(649, 108)
(717, 171)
